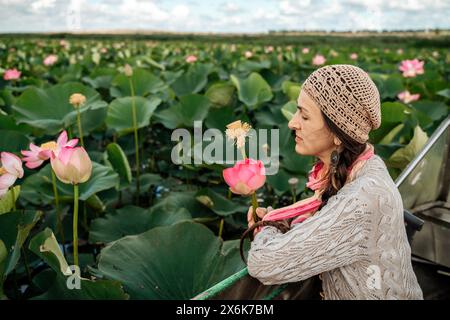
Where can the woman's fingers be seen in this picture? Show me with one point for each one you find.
(250, 214)
(261, 212)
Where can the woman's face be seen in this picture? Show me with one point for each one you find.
(313, 137)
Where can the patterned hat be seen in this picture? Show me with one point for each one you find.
(346, 95)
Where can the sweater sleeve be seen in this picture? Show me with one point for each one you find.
(335, 236)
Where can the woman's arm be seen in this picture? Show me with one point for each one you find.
(334, 237)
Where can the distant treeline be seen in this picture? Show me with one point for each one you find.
(434, 38)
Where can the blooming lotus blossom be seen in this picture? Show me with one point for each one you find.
(269, 49)
(318, 60)
(128, 70)
(354, 56)
(245, 177)
(72, 165)
(407, 97)
(63, 43)
(305, 50)
(34, 157)
(77, 100)
(50, 60)
(248, 54)
(191, 59)
(238, 131)
(11, 74)
(411, 68)
(10, 170)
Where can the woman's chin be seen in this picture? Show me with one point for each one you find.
(299, 149)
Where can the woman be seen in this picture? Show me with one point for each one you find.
(351, 232)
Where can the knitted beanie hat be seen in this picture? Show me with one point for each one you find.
(346, 95)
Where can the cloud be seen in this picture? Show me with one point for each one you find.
(227, 16)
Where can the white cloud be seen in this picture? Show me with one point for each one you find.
(227, 16)
(42, 4)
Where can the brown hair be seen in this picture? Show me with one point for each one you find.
(350, 152)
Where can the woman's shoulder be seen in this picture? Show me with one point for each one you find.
(374, 184)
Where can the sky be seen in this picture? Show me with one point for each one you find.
(249, 16)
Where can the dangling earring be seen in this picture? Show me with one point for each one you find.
(334, 159)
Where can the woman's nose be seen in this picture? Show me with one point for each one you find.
(294, 124)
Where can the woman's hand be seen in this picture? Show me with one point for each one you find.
(260, 212)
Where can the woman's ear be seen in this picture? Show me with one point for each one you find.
(337, 141)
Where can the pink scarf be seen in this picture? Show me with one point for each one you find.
(317, 181)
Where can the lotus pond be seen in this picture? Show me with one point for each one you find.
(149, 228)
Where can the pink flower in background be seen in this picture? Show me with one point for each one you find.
(305, 50)
(63, 43)
(10, 170)
(411, 68)
(11, 74)
(34, 157)
(72, 165)
(400, 51)
(103, 50)
(191, 59)
(407, 97)
(318, 60)
(50, 60)
(245, 177)
(248, 54)
(354, 56)
(269, 49)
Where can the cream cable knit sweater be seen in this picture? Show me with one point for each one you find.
(357, 242)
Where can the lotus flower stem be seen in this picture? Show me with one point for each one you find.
(58, 212)
(75, 224)
(244, 156)
(255, 205)
(136, 138)
(221, 228)
(80, 129)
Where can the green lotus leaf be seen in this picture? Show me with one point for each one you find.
(143, 81)
(50, 110)
(132, 220)
(120, 113)
(171, 262)
(252, 91)
(38, 188)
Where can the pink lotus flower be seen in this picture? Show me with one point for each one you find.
(245, 177)
(72, 165)
(37, 155)
(11, 74)
(248, 54)
(269, 49)
(354, 56)
(10, 170)
(411, 68)
(318, 60)
(63, 43)
(305, 50)
(407, 97)
(191, 59)
(50, 60)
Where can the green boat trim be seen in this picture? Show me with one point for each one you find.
(222, 285)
